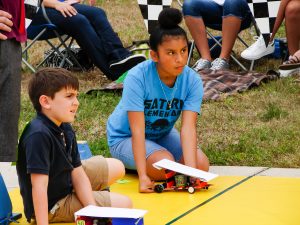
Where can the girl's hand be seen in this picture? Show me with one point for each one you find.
(146, 185)
(66, 9)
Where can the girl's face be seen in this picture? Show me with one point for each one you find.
(171, 56)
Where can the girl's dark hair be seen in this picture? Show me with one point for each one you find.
(168, 21)
(47, 82)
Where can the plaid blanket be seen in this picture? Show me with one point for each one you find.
(217, 84)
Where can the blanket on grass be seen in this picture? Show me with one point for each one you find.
(216, 83)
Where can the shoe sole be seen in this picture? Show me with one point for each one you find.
(289, 66)
(127, 63)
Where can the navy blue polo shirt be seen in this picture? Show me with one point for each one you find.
(45, 148)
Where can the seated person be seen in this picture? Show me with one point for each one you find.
(230, 16)
(54, 183)
(290, 11)
(141, 130)
(93, 32)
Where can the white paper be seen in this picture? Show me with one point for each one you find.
(219, 2)
(183, 169)
(110, 212)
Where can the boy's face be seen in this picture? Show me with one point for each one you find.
(62, 108)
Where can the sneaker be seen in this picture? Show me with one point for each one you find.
(258, 49)
(290, 72)
(219, 64)
(202, 64)
(126, 64)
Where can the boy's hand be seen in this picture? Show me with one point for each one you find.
(5, 23)
(66, 9)
(146, 185)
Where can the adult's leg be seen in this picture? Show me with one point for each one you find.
(234, 13)
(292, 24)
(197, 13)
(10, 88)
(112, 44)
(80, 28)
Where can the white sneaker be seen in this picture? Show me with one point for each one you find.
(258, 49)
(288, 73)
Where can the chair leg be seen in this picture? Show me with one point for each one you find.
(190, 52)
(68, 50)
(252, 65)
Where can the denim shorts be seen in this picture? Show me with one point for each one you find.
(212, 13)
(170, 142)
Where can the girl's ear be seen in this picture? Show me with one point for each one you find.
(44, 101)
(154, 55)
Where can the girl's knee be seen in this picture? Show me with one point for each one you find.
(161, 154)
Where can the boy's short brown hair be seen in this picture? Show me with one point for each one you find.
(47, 82)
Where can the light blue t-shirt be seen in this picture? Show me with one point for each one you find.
(142, 92)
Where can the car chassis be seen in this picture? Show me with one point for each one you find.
(177, 181)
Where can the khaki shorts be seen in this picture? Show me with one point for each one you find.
(96, 169)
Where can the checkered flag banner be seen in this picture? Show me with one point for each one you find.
(264, 13)
(31, 8)
(150, 10)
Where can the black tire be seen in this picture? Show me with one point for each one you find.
(158, 188)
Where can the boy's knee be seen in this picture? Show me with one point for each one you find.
(120, 201)
(116, 167)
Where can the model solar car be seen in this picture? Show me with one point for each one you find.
(176, 181)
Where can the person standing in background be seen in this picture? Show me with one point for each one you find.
(12, 33)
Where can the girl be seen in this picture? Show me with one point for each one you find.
(141, 128)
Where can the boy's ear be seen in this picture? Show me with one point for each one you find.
(44, 101)
(154, 55)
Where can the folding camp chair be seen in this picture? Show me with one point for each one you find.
(46, 32)
(218, 43)
(6, 215)
(150, 10)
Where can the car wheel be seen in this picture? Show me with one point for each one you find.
(158, 188)
(191, 190)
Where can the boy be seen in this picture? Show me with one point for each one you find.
(53, 182)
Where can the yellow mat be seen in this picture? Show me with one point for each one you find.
(254, 201)
(258, 201)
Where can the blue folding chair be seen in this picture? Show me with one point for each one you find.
(6, 215)
(46, 32)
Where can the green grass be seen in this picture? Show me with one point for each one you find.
(259, 127)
